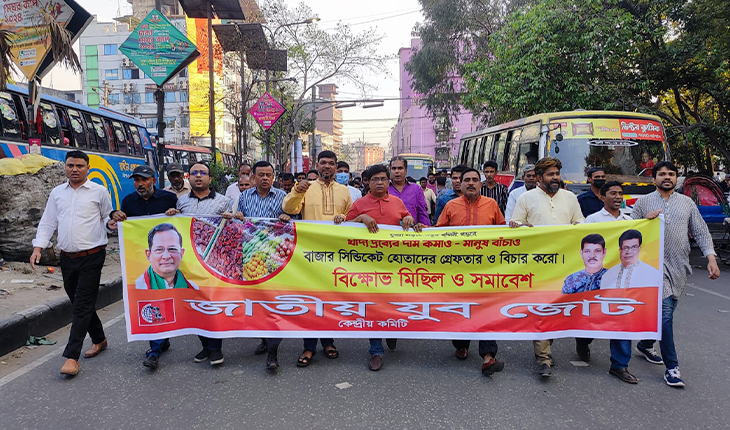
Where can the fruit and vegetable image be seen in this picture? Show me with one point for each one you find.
(242, 251)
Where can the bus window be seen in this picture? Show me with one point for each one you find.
(94, 133)
(135, 139)
(121, 137)
(486, 150)
(499, 154)
(464, 150)
(9, 121)
(513, 152)
(51, 127)
(65, 127)
(470, 162)
(528, 154)
(78, 129)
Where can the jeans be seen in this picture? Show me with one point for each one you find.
(669, 353)
(81, 278)
(376, 347)
(485, 346)
(156, 347)
(311, 344)
(620, 354)
(211, 344)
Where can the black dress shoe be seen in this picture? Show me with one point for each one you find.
(624, 375)
(583, 351)
(261, 348)
(392, 343)
(152, 362)
(272, 361)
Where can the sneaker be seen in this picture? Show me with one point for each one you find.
(202, 356)
(152, 361)
(546, 371)
(216, 358)
(673, 378)
(650, 354)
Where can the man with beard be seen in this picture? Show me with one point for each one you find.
(590, 202)
(450, 194)
(178, 184)
(547, 204)
(410, 193)
(323, 200)
(204, 201)
(473, 209)
(432, 182)
(528, 176)
(147, 200)
(681, 218)
(379, 207)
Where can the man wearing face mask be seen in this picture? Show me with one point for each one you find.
(343, 178)
(590, 201)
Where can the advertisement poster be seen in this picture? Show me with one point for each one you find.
(266, 111)
(263, 278)
(609, 128)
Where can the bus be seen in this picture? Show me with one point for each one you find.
(614, 141)
(419, 165)
(116, 143)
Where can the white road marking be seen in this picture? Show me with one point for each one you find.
(53, 354)
(709, 291)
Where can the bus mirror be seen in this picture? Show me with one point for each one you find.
(557, 149)
(559, 137)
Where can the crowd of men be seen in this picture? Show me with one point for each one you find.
(81, 212)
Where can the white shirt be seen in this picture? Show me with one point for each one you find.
(512, 201)
(638, 274)
(536, 207)
(354, 193)
(232, 192)
(604, 216)
(79, 215)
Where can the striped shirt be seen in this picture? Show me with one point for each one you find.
(254, 206)
(681, 217)
(212, 204)
(498, 193)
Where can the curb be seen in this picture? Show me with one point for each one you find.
(43, 319)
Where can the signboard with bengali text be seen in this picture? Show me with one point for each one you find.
(266, 111)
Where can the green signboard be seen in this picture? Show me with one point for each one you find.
(158, 48)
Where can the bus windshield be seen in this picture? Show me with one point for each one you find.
(623, 160)
(418, 168)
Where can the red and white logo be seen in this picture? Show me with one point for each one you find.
(156, 312)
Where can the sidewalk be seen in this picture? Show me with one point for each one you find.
(34, 303)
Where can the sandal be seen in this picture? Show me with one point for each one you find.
(331, 353)
(303, 360)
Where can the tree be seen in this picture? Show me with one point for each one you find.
(317, 56)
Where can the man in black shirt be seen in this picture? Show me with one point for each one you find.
(147, 200)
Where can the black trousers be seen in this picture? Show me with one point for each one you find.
(485, 346)
(81, 278)
(211, 344)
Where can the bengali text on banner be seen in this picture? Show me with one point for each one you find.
(263, 278)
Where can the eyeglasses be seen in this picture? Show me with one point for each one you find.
(160, 251)
(378, 180)
(631, 248)
(199, 173)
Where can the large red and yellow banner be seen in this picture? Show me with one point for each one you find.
(263, 278)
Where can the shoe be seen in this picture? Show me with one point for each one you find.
(461, 353)
(95, 349)
(492, 366)
(216, 358)
(583, 351)
(152, 361)
(546, 371)
(650, 354)
(272, 361)
(70, 367)
(261, 348)
(166, 345)
(673, 378)
(624, 375)
(202, 356)
(376, 362)
(391, 343)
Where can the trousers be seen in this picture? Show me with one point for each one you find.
(81, 278)
(485, 346)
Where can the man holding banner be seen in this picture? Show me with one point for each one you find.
(378, 207)
(322, 199)
(547, 204)
(474, 209)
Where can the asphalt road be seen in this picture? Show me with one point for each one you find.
(420, 386)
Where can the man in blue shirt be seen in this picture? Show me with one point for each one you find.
(263, 201)
(593, 251)
(590, 202)
(452, 193)
(147, 200)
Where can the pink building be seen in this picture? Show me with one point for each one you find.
(416, 131)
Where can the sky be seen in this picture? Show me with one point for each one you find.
(394, 19)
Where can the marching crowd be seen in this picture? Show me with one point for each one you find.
(81, 212)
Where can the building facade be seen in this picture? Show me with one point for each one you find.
(416, 131)
(329, 118)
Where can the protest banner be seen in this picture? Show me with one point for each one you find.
(264, 278)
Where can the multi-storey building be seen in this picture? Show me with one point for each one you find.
(329, 118)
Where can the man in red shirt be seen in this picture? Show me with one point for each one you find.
(474, 209)
(378, 207)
